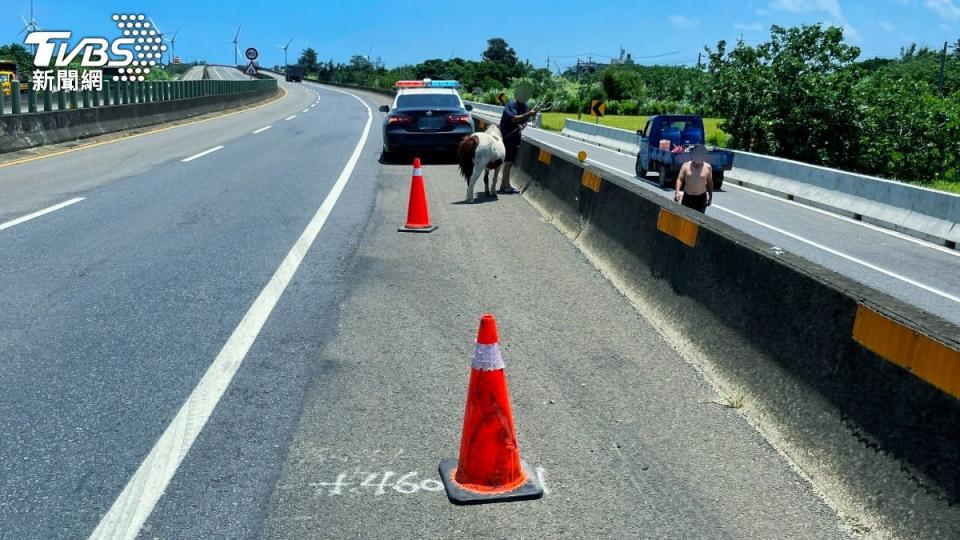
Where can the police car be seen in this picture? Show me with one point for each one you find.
(426, 115)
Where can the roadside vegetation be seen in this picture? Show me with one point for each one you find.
(803, 94)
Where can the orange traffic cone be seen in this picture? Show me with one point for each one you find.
(418, 217)
(489, 468)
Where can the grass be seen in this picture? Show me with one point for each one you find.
(944, 185)
(554, 122)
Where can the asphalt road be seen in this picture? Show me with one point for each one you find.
(224, 334)
(193, 74)
(917, 272)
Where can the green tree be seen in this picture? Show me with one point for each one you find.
(499, 52)
(19, 55)
(792, 96)
(308, 59)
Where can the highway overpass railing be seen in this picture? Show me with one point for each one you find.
(920, 212)
(33, 121)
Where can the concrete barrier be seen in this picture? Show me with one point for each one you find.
(18, 132)
(891, 370)
(613, 139)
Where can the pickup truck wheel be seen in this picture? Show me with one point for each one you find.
(641, 172)
(665, 176)
(717, 180)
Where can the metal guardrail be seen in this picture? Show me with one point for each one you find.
(116, 93)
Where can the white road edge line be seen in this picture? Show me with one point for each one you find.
(832, 251)
(871, 226)
(38, 213)
(290, 117)
(136, 502)
(201, 154)
(261, 130)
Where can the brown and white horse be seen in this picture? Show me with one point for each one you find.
(479, 153)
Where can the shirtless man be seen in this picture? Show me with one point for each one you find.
(696, 181)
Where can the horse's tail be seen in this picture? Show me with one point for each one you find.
(466, 151)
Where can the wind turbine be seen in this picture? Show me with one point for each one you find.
(236, 48)
(173, 45)
(31, 26)
(285, 47)
(160, 35)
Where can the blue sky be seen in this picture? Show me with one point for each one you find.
(408, 32)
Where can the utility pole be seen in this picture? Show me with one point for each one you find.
(943, 64)
(699, 54)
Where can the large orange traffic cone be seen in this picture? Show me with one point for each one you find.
(418, 217)
(489, 468)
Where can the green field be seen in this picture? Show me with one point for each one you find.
(554, 122)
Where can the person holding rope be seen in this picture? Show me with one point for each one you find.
(514, 118)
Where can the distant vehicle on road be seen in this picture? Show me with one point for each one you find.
(9, 79)
(294, 73)
(426, 115)
(665, 143)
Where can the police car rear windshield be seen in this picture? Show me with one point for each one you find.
(427, 101)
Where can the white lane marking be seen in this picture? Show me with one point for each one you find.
(305, 110)
(832, 251)
(852, 221)
(888, 232)
(261, 130)
(290, 117)
(136, 502)
(217, 73)
(312, 105)
(201, 154)
(39, 213)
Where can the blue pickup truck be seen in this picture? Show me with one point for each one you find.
(682, 131)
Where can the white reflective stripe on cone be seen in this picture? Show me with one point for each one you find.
(418, 172)
(487, 357)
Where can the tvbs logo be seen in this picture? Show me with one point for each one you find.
(140, 47)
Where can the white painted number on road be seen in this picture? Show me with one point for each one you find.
(379, 483)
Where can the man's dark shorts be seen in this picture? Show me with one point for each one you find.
(695, 202)
(512, 145)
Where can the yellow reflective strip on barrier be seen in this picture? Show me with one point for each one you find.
(927, 358)
(678, 227)
(590, 181)
(545, 157)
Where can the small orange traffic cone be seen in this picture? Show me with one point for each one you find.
(489, 468)
(418, 217)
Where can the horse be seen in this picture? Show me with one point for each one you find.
(479, 153)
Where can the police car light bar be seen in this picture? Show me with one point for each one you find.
(427, 83)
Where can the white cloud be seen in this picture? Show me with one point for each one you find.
(947, 9)
(751, 27)
(887, 26)
(684, 23)
(830, 7)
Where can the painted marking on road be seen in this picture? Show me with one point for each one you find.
(201, 154)
(542, 479)
(136, 502)
(305, 110)
(855, 260)
(217, 73)
(290, 117)
(261, 130)
(312, 105)
(38, 213)
(377, 482)
(852, 221)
